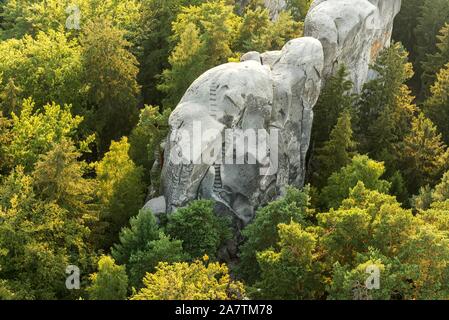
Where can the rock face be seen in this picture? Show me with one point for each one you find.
(241, 132)
(218, 114)
(353, 33)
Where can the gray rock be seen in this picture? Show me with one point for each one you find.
(156, 205)
(240, 97)
(353, 33)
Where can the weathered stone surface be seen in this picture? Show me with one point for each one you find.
(274, 91)
(242, 96)
(353, 32)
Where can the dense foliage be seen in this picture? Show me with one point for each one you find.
(86, 91)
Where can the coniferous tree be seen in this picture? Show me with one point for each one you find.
(423, 154)
(143, 245)
(335, 98)
(435, 62)
(386, 107)
(110, 72)
(437, 106)
(361, 169)
(120, 192)
(337, 152)
(405, 23)
(155, 32)
(262, 233)
(435, 13)
(199, 228)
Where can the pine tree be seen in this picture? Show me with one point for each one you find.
(437, 106)
(120, 192)
(435, 13)
(5, 140)
(156, 44)
(335, 98)
(145, 142)
(199, 228)
(59, 177)
(361, 169)
(204, 35)
(143, 245)
(187, 61)
(405, 23)
(338, 151)
(423, 154)
(262, 233)
(110, 72)
(386, 107)
(435, 62)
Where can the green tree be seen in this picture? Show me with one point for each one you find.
(38, 236)
(203, 35)
(156, 45)
(196, 281)
(423, 154)
(299, 8)
(335, 98)
(340, 183)
(437, 106)
(262, 233)
(46, 68)
(59, 177)
(35, 132)
(5, 140)
(257, 32)
(120, 192)
(21, 17)
(428, 197)
(110, 73)
(291, 272)
(338, 151)
(110, 282)
(142, 229)
(146, 260)
(405, 23)
(386, 107)
(435, 62)
(142, 246)
(199, 228)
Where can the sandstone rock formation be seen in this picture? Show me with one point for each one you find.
(278, 97)
(353, 32)
(274, 92)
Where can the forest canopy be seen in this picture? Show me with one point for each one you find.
(86, 91)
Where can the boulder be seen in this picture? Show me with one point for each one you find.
(353, 33)
(240, 99)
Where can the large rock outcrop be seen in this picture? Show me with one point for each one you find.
(244, 98)
(273, 94)
(353, 33)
